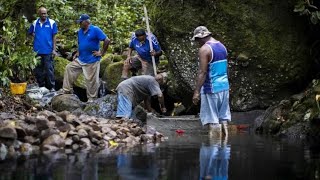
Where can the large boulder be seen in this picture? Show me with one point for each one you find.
(66, 102)
(112, 74)
(268, 56)
(295, 117)
(105, 107)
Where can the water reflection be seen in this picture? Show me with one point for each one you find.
(214, 160)
(182, 158)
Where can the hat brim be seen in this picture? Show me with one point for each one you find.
(201, 35)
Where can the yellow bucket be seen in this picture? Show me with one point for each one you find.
(18, 88)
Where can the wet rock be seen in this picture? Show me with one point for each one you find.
(8, 132)
(54, 140)
(26, 149)
(49, 148)
(85, 143)
(75, 147)
(3, 151)
(140, 113)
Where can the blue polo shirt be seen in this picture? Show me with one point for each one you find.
(89, 42)
(43, 35)
(143, 49)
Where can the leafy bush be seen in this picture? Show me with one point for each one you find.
(17, 59)
(305, 8)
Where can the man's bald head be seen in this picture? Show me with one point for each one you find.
(42, 11)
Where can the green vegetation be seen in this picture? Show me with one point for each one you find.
(306, 8)
(117, 18)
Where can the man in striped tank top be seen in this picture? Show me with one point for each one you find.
(212, 85)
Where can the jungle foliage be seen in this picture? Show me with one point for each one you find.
(117, 18)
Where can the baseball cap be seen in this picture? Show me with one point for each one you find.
(83, 17)
(200, 32)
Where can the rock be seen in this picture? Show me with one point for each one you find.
(106, 129)
(21, 133)
(42, 123)
(8, 132)
(31, 140)
(68, 142)
(66, 102)
(95, 134)
(140, 113)
(82, 133)
(26, 149)
(54, 140)
(3, 151)
(30, 129)
(112, 134)
(65, 128)
(103, 107)
(48, 132)
(63, 115)
(76, 138)
(49, 148)
(45, 113)
(75, 147)
(85, 143)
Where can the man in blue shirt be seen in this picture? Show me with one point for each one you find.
(44, 30)
(139, 42)
(87, 58)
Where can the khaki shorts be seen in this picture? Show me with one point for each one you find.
(137, 63)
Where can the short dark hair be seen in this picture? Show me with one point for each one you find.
(140, 32)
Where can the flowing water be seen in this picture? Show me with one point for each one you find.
(243, 156)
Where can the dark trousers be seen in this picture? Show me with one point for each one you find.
(44, 72)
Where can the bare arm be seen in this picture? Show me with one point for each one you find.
(204, 57)
(105, 46)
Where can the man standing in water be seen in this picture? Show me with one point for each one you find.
(212, 82)
(43, 31)
(87, 58)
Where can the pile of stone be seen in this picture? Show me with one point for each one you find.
(49, 131)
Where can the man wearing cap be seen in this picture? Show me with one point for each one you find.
(139, 42)
(212, 82)
(44, 31)
(136, 89)
(87, 58)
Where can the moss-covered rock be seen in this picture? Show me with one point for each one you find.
(266, 36)
(300, 110)
(59, 68)
(112, 74)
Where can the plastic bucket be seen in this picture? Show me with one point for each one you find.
(18, 88)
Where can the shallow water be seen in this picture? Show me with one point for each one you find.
(242, 156)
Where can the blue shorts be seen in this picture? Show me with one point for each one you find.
(124, 108)
(215, 108)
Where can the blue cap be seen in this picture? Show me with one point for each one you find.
(83, 17)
